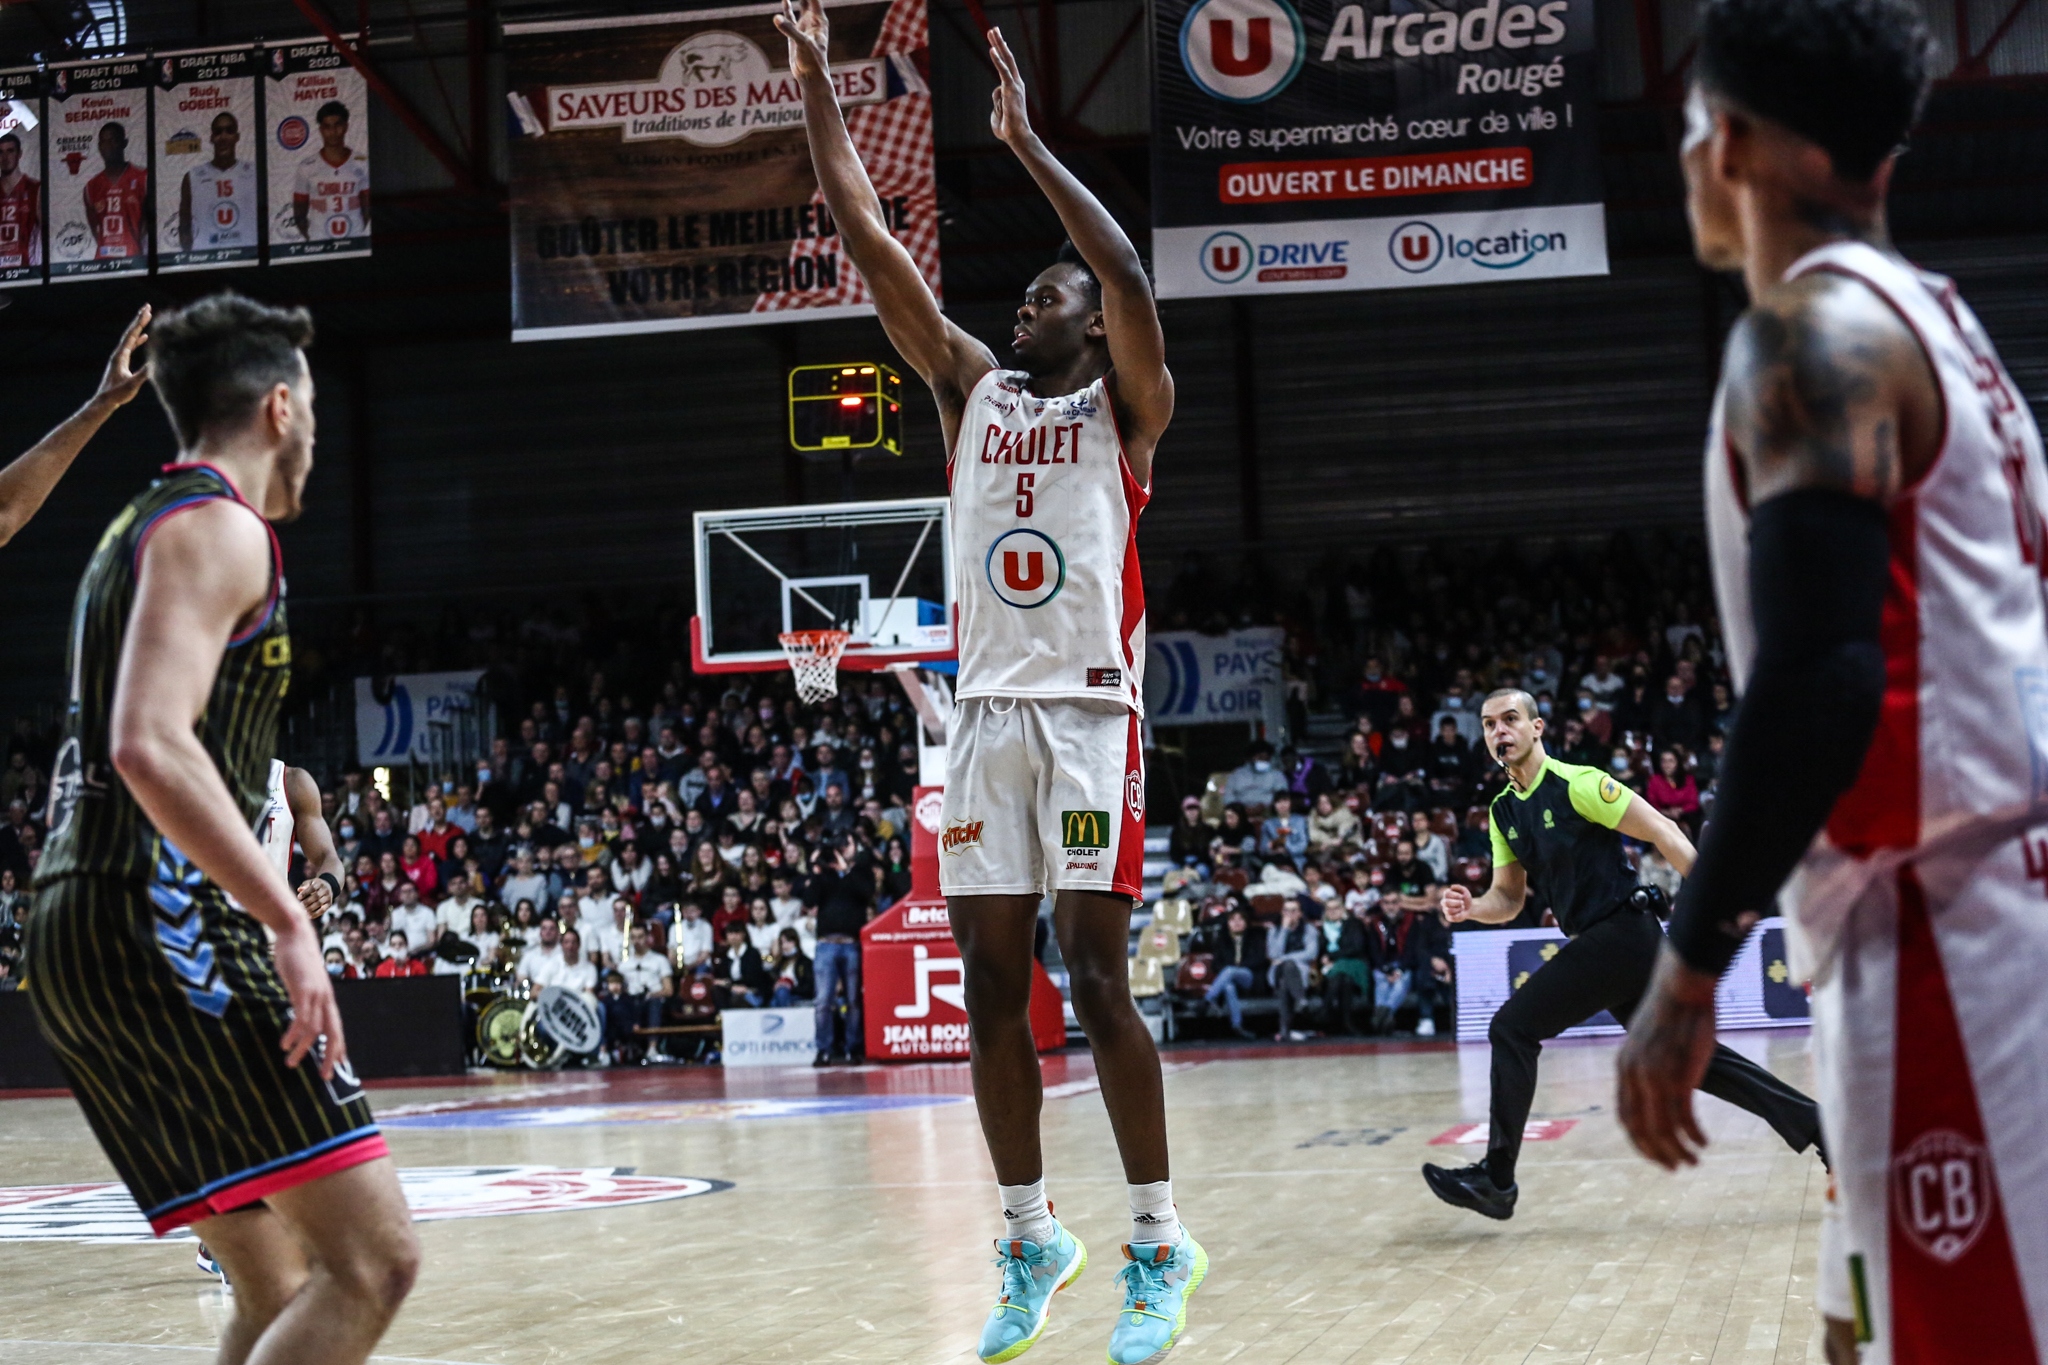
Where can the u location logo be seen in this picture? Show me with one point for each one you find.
(1025, 568)
(1416, 247)
(1243, 51)
(1226, 257)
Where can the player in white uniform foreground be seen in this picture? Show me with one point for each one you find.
(1878, 512)
(1045, 785)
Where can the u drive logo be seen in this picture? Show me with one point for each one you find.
(926, 967)
(1026, 568)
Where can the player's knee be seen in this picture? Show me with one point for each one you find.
(1503, 1033)
(995, 991)
(381, 1276)
(1098, 994)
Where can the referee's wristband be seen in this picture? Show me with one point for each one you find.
(333, 886)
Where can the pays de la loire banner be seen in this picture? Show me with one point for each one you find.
(662, 179)
(1306, 145)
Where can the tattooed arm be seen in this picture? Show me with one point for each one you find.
(1833, 410)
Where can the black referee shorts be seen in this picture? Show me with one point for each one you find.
(163, 1006)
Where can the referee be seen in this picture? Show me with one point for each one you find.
(1562, 825)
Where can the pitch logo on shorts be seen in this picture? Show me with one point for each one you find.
(1026, 568)
(1942, 1193)
(960, 835)
(1243, 51)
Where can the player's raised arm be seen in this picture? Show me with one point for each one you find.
(948, 358)
(1130, 316)
(26, 482)
(203, 573)
(322, 886)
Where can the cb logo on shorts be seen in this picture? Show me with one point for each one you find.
(1026, 568)
(1942, 1193)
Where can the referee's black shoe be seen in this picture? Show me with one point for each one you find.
(1470, 1187)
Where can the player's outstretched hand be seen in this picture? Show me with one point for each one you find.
(122, 381)
(1670, 1041)
(1009, 116)
(803, 22)
(314, 1013)
(1455, 904)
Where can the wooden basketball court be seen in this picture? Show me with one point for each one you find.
(845, 1215)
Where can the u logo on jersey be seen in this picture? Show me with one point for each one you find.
(1025, 568)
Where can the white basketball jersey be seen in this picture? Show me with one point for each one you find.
(1960, 756)
(333, 195)
(274, 827)
(224, 211)
(1045, 546)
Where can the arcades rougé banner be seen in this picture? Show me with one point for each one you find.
(1304, 145)
(662, 180)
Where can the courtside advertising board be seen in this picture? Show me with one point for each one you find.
(317, 163)
(1308, 145)
(662, 180)
(99, 169)
(209, 202)
(21, 177)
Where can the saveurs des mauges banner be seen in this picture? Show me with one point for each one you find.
(1373, 144)
(662, 179)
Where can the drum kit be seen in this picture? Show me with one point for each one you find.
(513, 1025)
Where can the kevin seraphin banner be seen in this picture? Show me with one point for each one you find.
(1320, 145)
(662, 179)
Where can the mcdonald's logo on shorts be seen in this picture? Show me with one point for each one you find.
(1084, 829)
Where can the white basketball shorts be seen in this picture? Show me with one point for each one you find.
(1931, 1045)
(1043, 795)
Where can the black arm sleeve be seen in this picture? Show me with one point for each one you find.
(1819, 563)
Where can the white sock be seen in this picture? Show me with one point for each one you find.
(1152, 1215)
(1026, 1214)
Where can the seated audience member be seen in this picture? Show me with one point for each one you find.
(1236, 841)
(690, 940)
(1346, 959)
(737, 973)
(453, 913)
(337, 964)
(1411, 957)
(1284, 834)
(419, 924)
(541, 963)
(419, 868)
(398, 960)
(1333, 828)
(1404, 774)
(1253, 784)
(606, 939)
(1291, 949)
(577, 972)
(1411, 885)
(794, 982)
(481, 935)
(525, 884)
(1674, 793)
(1240, 961)
(1360, 769)
(1450, 765)
(622, 1013)
(761, 927)
(1430, 849)
(1188, 845)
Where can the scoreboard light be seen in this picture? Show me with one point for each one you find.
(846, 407)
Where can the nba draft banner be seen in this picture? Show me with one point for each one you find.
(662, 181)
(21, 178)
(317, 154)
(1305, 145)
(207, 210)
(99, 169)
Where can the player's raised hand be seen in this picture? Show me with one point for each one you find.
(1455, 904)
(315, 1016)
(1009, 116)
(122, 379)
(803, 22)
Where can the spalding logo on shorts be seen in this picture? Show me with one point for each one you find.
(1942, 1193)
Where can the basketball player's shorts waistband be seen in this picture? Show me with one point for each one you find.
(243, 1188)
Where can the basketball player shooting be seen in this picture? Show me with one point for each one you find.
(1877, 510)
(209, 1062)
(1050, 465)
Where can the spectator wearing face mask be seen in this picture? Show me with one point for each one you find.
(1253, 784)
(398, 959)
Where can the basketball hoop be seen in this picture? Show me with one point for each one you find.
(814, 659)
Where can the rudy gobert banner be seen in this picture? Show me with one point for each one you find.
(1373, 144)
(662, 179)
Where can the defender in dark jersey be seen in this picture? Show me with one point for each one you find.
(186, 1036)
(1561, 825)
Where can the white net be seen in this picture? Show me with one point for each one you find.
(814, 659)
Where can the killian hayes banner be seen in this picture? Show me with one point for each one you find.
(1373, 144)
(661, 178)
(317, 156)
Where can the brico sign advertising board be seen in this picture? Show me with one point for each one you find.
(1304, 145)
